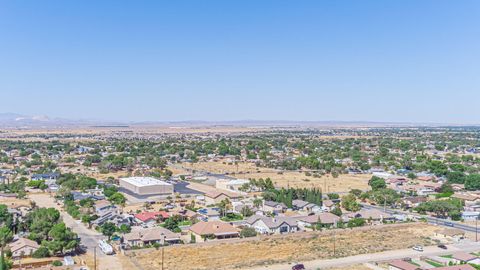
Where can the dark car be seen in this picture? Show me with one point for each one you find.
(442, 246)
(298, 267)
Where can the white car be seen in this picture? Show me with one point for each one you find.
(418, 248)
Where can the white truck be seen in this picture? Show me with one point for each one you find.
(105, 247)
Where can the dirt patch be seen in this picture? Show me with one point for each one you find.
(282, 249)
(246, 170)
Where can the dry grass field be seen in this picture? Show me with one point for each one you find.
(352, 267)
(14, 203)
(282, 249)
(343, 183)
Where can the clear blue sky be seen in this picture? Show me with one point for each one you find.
(233, 60)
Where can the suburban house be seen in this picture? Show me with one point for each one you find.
(469, 199)
(328, 205)
(78, 196)
(216, 197)
(234, 185)
(23, 247)
(458, 187)
(203, 231)
(456, 267)
(412, 202)
(402, 265)
(325, 219)
(304, 206)
(150, 218)
(140, 237)
(187, 214)
(463, 257)
(272, 225)
(425, 190)
(373, 216)
(46, 176)
(105, 211)
(274, 207)
(209, 214)
(470, 215)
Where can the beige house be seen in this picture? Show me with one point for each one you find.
(140, 237)
(202, 231)
(23, 247)
(216, 197)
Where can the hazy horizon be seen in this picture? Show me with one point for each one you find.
(367, 61)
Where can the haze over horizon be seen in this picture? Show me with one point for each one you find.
(407, 61)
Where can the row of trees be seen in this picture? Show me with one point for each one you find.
(286, 196)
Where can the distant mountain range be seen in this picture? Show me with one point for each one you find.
(19, 120)
(14, 120)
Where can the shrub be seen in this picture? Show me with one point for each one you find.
(41, 252)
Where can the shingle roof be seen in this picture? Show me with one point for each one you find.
(403, 265)
(213, 227)
(151, 234)
(463, 256)
(325, 218)
(271, 222)
(22, 242)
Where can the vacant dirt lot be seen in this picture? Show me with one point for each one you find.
(343, 183)
(352, 267)
(282, 249)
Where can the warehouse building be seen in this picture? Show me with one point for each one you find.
(146, 186)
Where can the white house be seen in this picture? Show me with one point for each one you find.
(272, 225)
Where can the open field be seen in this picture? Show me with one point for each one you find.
(343, 183)
(352, 267)
(288, 248)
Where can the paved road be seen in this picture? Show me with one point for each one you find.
(431, 220)
(89, 238)
(466, 246)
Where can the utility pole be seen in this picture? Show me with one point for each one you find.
(384, 203)
(476, 229)
(334, 244)
(94, 258)
(162, 257)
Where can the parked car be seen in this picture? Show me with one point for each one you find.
(298, 267)
(418, 248)
(442, 246)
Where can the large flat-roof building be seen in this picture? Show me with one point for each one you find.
(146, 186)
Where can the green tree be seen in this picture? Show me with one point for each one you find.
(248, 232)
(61, 239)
(124, 228)
(117, 198)
(108, 229)
(41, 252)
(472, 182)
(6, 218)
(356, 222)
(337, 211)
(349, 202)
(377, 183)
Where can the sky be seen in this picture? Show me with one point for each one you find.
(319, 60)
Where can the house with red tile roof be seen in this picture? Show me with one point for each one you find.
(150, 218)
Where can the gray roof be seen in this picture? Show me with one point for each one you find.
(299, 203)
(275, 204)
(272, 223)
